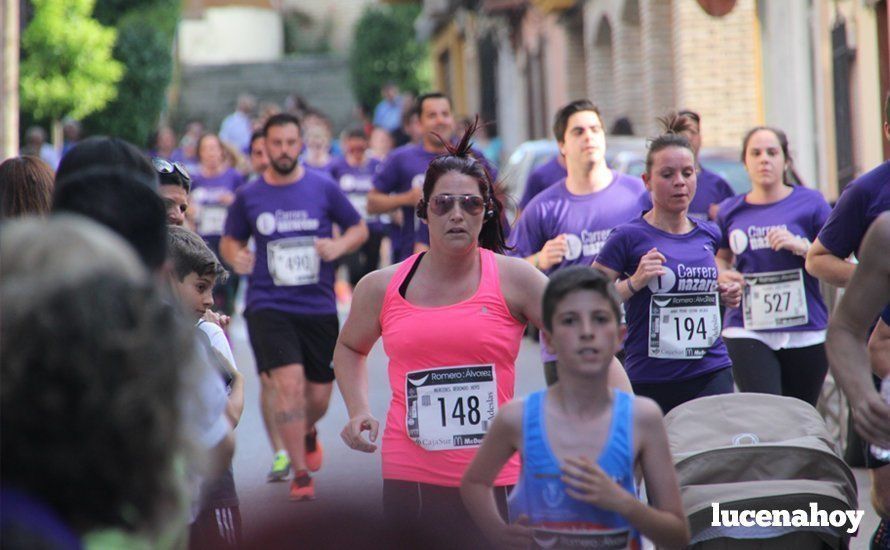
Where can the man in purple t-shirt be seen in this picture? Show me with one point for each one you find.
(869, 287)
(860, 204)
(399, 182)
(567, 223)
(711, 189)
(543, 177)
(291, 312)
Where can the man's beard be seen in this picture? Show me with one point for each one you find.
(283, 169)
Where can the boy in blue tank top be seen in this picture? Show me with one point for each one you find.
(580, 442)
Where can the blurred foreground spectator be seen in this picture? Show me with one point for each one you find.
(26, 187)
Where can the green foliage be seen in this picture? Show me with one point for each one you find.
(145, 47)
(67, 68)
(108, 12)
(385, 48)
(305, 34)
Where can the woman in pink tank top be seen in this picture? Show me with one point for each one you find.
(451, 320)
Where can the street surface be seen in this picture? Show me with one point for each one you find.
(353, 478)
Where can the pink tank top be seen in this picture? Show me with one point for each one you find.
(450, 368)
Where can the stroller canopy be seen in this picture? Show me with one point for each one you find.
(753, 451)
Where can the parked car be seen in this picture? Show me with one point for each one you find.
(724, 161)
(531, 154)
(513, 176)
(625, 154)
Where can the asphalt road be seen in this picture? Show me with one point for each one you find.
(350, 479)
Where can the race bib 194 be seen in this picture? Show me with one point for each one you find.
(293, 261)
(212, 220)
(774, 300)
(450, 407)
(683, 326)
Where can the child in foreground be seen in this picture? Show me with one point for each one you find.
(579, 441)
(196, 270)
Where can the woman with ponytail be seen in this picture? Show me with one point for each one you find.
(668, 280)
(452, 320)
(777, 338)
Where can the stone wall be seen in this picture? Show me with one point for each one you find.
(717, 69)
(208, 93)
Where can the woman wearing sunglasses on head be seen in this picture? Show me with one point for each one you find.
(451, 319)
(174, 184)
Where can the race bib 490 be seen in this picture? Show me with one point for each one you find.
(450, 407)
(293, 262)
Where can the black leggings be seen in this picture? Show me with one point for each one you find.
(438, 511)
(794, 372)
(670, 394)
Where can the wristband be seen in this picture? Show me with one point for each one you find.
(631, 287)
(537, 262)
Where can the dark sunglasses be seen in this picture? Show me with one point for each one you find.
(167, 167)
(442, 204)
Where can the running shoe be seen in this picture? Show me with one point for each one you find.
(314, 452)
(280, 467)
(343, 292)
(302, 487)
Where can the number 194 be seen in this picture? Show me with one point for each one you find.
(690, 328)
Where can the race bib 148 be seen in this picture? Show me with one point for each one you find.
(450, 407)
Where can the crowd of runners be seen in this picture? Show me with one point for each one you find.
(120, 281)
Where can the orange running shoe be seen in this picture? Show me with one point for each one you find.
(314, 451)
(343, 292)
(302, 487)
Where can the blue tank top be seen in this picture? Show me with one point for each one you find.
(559, 520)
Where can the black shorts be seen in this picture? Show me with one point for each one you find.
(280, 339)
(437, 513)
(215, 528)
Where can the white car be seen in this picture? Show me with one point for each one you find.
(626, 154)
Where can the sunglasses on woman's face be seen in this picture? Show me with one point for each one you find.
(471, 204)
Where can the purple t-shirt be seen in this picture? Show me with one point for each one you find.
(691, 269)
(710, 189)
(356, 181)
(860, 203)
(404, 169)
(326, 169)
(207, 193)
(285, 220)
(744, 230)
(585, 219)
(541, 178)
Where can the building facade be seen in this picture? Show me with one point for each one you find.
(818, 69)
(217, 32)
